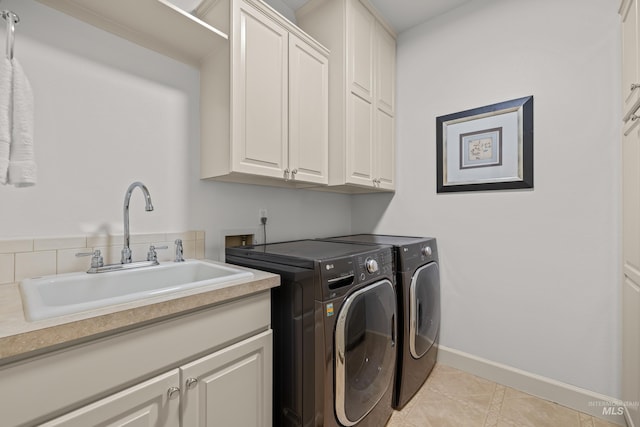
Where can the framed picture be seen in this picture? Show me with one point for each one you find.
(486, 148)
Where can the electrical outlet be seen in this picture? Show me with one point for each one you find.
(262, 213)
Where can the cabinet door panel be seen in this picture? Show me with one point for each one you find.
(360, 143)
(631, 199)
(630, 56)
(385, 150)
(260, 99)
(385, 70)
(308, 112)
(631, 347)
(144, 405)
(233, 388)
(360, 54)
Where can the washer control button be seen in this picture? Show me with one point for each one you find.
(426, 251)
(371, 265)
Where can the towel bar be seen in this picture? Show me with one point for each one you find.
(12, 19)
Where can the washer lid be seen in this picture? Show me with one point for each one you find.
(300, 253)
(380, 239)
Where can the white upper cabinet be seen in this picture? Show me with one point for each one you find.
(630, 58)
(308, 112)
(260, 90)
(271, 126)
(630, 212)
(362, 92)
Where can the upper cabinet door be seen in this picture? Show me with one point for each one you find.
(360, 104)
(260, 95)
(360, 148)
(385, 151)
(308, 112)
(385, 70)
(385, 136)
(361, 50)
(630, 58)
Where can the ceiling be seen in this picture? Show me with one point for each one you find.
(403, 14)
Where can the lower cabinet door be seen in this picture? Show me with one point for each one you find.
(150, 403)
(231, 387)
(631, 349)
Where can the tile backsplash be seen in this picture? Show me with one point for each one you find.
(24, 258)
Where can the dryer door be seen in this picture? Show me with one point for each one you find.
(365, 350)
(424, 313)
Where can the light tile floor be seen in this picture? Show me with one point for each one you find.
(451, 397)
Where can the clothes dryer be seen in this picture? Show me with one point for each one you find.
(418, 290)
(334, 326)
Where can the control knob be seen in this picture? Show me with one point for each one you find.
(426, 251)
(371, 265)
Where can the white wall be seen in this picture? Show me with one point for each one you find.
(530, 279)
(282, 8)
(108, 113)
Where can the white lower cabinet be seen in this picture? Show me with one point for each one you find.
(210, 367)
(148, 404)
(631, 350)
(230, 387)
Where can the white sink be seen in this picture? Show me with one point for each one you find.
(57, 295)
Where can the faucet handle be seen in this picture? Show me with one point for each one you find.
(179, 251)
(152, 255)
(96, 258)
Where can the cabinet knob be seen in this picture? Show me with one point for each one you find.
(293, 173)
(191, 383)
(173, 392)
(286, 174)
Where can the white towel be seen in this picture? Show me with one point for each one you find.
(22, 165)
(5, 118)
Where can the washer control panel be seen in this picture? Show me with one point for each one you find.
(375, 263)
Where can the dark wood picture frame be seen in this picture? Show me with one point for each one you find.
(519, 141)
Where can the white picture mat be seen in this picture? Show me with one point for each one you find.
(511, 168)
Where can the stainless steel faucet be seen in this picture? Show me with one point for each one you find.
(179, 251)
(126, 250)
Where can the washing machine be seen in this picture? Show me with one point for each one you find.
(418, 290)
(334, 327)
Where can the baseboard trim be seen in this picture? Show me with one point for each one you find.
(595, 404)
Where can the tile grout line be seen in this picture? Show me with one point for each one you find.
(495, 406)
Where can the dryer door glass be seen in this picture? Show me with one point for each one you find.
(365, 350)
(425, 309)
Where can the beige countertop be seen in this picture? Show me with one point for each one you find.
(21, 338)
